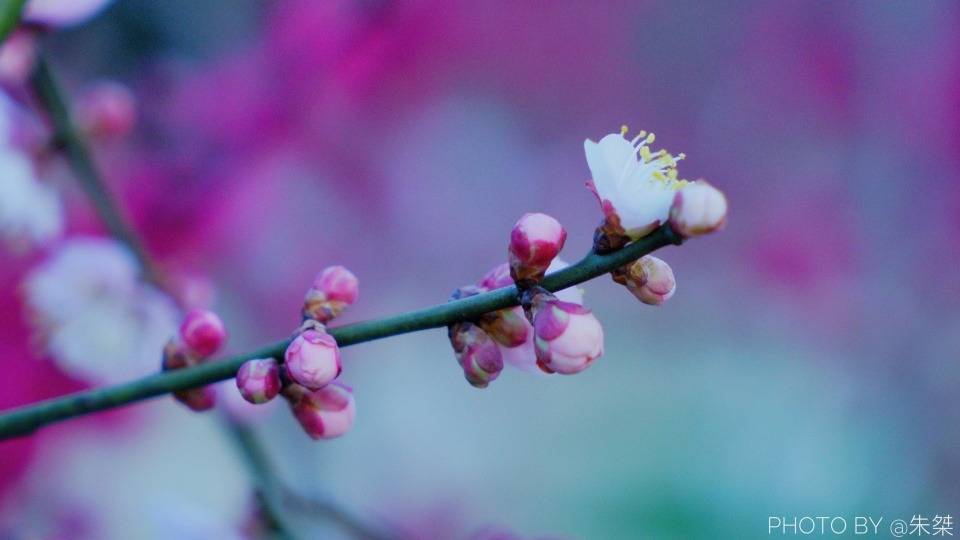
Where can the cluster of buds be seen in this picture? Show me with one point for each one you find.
(324, 408)
(201, 335)
(556, 335)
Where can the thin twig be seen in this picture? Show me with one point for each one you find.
(26, 419)
(72, 142)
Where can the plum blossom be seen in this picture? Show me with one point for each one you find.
(96, 318)
(637, 187)
(259, 380)
(534, 242)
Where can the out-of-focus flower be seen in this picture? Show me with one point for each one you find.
(30, 212)
(635, 186)
(332, 291)
(534, 242)
(326, 413)
(259, 380)
(567, 336)
(62, 12)
(313, 359)
(650, 279)
(698, 208)
(107, 110)
(17, 55)
(99, 322)
(203, 332)
(476, 352)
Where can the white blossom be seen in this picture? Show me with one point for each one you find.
(98, 320)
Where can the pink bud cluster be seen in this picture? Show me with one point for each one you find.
(555, 335)
(201, 335)
(325, 409)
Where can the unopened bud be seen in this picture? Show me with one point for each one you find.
(650, 279)
(698, 208)
(108, 110)
(476, 352)
(332, 291)
(313, 359)
(567, 336)
(203, 332)
(534, 242)
(259, 380)
(326, 413)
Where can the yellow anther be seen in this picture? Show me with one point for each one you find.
(623, 130)
(645, 153)
(650, 138)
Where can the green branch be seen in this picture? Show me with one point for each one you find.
(27, 419)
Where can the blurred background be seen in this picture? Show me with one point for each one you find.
(806, 366)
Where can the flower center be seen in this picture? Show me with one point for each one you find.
(658, 166)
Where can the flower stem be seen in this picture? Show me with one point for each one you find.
(26, 419)
(68, 138)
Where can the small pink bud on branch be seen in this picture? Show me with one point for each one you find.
(698, 208)
(534, 242)
(332, 291)
(649, 279)
(259, 380)
(203, 332)
(313, 359)
(326, 413)
(568, 338)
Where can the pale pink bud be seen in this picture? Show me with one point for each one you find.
(476, 352)
(649, 279)
(313, 359)
(534, 242)
(698, 208)
(326, 413)
(567, 336)
(108, 110)
(332, 291)
(203, 332)
(259, 380)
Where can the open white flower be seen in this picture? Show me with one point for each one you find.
(634, 184)
(99, 322)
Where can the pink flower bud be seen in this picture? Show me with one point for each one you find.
(508, 327)
(198, 399)
(567, 336)
(332, 291)
(698, 208)
(326, 413)
(535, 240)
(476, 352)
(313, 359)
(203, 333)
(259, 380)
(108, 110)
(175, 356)
(649, 279)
